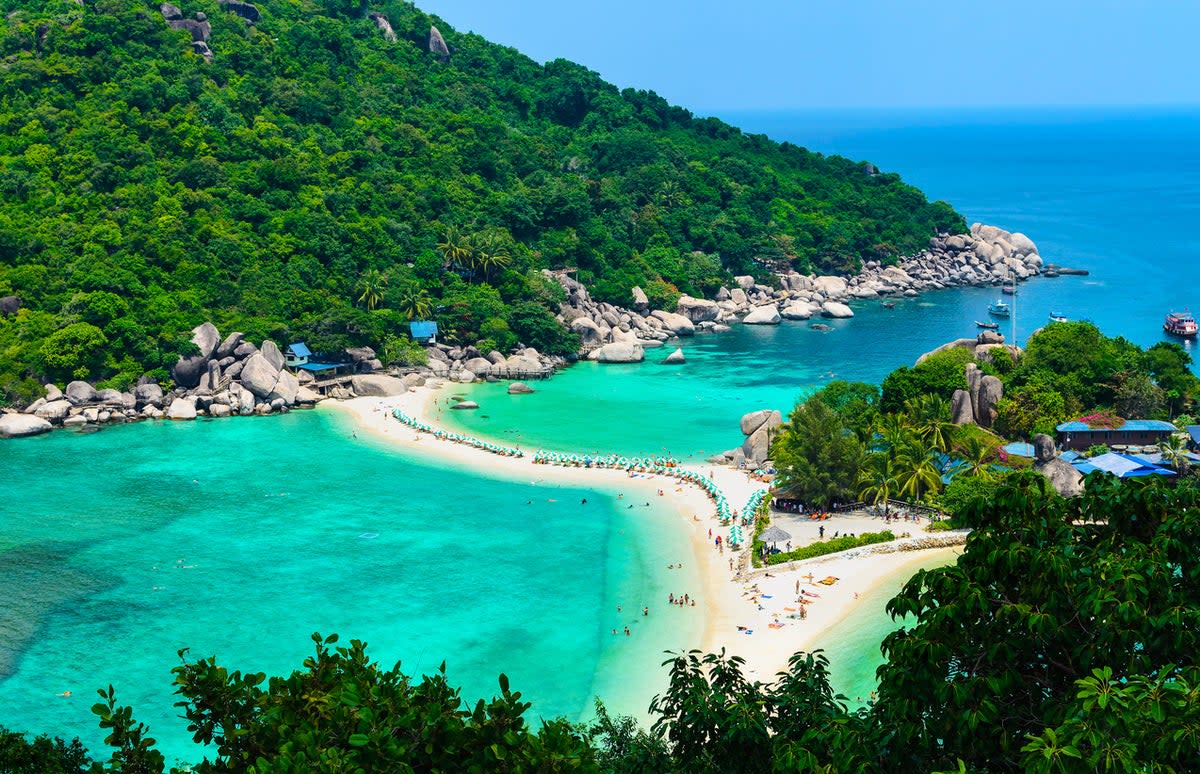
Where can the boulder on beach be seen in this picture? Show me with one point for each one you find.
(378, 385)
(22, 425)
(619, 352)
(53, 410)
(767, 314)
(756, 419)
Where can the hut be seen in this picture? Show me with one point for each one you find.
(1132, 432)
(296, 355)
(423, 331)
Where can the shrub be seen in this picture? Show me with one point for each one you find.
(832, 546)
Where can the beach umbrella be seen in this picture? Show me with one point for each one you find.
(774, 534)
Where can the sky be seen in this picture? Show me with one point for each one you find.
(794, 54)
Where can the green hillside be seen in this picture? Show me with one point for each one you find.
(317, 180)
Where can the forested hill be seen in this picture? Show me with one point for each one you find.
(324, 177)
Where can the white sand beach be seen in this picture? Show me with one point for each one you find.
(753, 614)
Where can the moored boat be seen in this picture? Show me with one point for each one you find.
(1008, 290)
(1180, 324)
(991, 326)
(888, 304)
(998, 308)
(1055, 317)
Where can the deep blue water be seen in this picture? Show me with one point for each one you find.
(1112, 192)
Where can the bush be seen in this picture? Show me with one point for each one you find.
(832, 546)
(1096, 450)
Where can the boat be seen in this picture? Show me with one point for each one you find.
(991, 326)
(1057, 317)
(998, 308)
(888, 304)
(1008, 290)
(1180, 324)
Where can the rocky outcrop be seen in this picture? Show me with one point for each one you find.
(247, 11)
(465, 405)
(384, 26)
(760, 428)
(80, 393)
(836, 310)
(961, 411)
(698, 309)
(619, 352)
(10, 305)
(437, 45)
(763, 315)
(798, 310)
(677, 324)
(519, 388)
(182, 409)
(22, 425)
(640, 302)
(1062, 475)
(378, 385)
(991, 390)
(675, 358)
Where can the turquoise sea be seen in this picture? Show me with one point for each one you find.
(240, 538)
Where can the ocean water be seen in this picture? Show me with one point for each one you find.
(238, 539)
(1115, 192)
(241, 538)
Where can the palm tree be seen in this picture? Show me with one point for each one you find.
(893, 430)
(372, 283)
(1175, 452)
(457, 251)
(877, 480)
(490, 253)
(415, 302)
(975, 456)
(916, 471)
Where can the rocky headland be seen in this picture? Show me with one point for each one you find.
(986, 255)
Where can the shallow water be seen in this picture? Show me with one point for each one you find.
(241, 538)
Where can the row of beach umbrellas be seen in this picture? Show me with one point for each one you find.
(666, 466)
(478, 443)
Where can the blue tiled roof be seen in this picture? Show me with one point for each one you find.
(299, 349)
(1130, 426)
(1194, 432)
(1019, 449)
(1123, 466)
(422, 329)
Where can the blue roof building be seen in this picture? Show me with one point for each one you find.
(1135, 432)
(423, 331)
(296, 354)
(1121, 466)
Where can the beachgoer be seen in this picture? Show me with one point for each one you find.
(821, 531)
(583, 501)
(671, 597)
(646, 610)
(626, 631)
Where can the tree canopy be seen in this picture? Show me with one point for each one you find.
(311, 175)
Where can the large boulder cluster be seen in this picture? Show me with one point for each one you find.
(228, 377)
(986, 255)
(200, 28)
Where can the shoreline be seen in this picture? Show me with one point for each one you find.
(745, 614)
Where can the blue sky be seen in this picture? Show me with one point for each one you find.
(787, 54)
